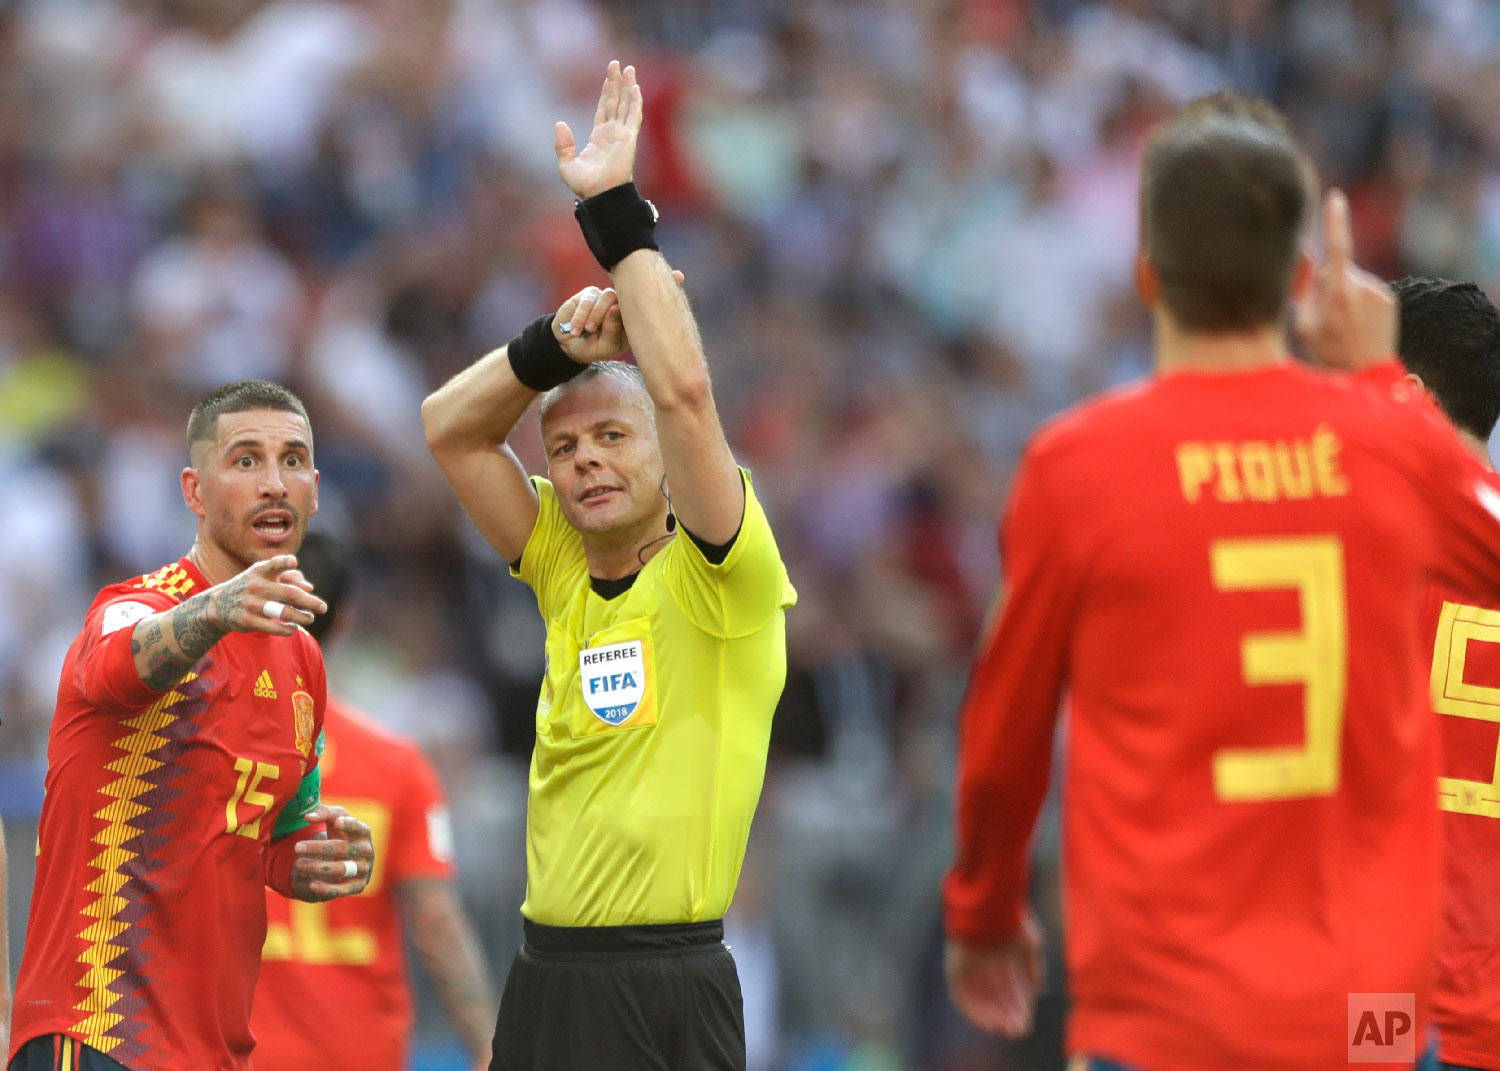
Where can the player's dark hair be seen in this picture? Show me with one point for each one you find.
(325, 562)
(1450, 338)
(1225, 197)
(241, 397)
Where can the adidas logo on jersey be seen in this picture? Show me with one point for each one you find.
(264, 689)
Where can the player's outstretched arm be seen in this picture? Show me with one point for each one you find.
(4, 953)
(468, 419)
(702, 478)
(166, 645)
(449, 950)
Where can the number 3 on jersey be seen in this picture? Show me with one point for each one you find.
(1316, 657)
(1458, 626)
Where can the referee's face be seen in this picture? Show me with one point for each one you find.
(603, 458)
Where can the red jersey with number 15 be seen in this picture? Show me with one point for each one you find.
(337, 970)
(148, 912)
(1227, 573)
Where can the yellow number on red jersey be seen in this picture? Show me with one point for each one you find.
(1458, 626)
(247, 791)
(1315, 656)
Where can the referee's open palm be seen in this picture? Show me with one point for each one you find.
(608, 160)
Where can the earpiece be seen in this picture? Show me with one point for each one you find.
(671, 517)
(671, 524)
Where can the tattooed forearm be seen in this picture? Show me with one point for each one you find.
(152, 639)
(164, 670)
(194, 629)
(228, 598)
(449, 951)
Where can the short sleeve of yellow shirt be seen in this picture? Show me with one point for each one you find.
(642, 790)
(740, 594)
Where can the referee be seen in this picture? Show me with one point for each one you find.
(665, 597)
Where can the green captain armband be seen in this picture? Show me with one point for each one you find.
(293, 816)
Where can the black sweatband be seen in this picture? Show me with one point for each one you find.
(616, 223)
(538, 359)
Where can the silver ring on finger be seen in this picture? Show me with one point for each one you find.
(351, 868)
(274, 609)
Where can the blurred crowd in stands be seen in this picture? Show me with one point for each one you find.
(906, 227)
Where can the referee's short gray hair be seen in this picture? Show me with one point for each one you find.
(623, 371)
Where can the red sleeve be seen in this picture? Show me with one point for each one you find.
(421, 843)
(280, 854)
(104, 669)
(1009, 716)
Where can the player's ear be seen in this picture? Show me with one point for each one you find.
(1414, 381)
(1147, 283)
(192, 492)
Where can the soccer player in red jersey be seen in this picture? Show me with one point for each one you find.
(338, 969)
(182, 773)
(1224, 568)
(1450, 343)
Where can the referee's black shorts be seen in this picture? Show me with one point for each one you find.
(627, 998)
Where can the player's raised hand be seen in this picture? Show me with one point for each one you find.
(1349, 321)
(270, 596)
(608, 160)
(338, 862)
(995, 986)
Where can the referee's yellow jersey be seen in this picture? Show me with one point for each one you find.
(652, 725)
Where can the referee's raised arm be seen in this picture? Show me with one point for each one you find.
(707, 493)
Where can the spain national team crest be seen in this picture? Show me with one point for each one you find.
(302, 721)
(613, 678)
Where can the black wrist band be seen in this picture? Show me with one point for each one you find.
(538, 359)
(616, 223)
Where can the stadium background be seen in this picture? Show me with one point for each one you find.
(906, 228)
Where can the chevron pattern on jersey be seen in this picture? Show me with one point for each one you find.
(131, 841)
